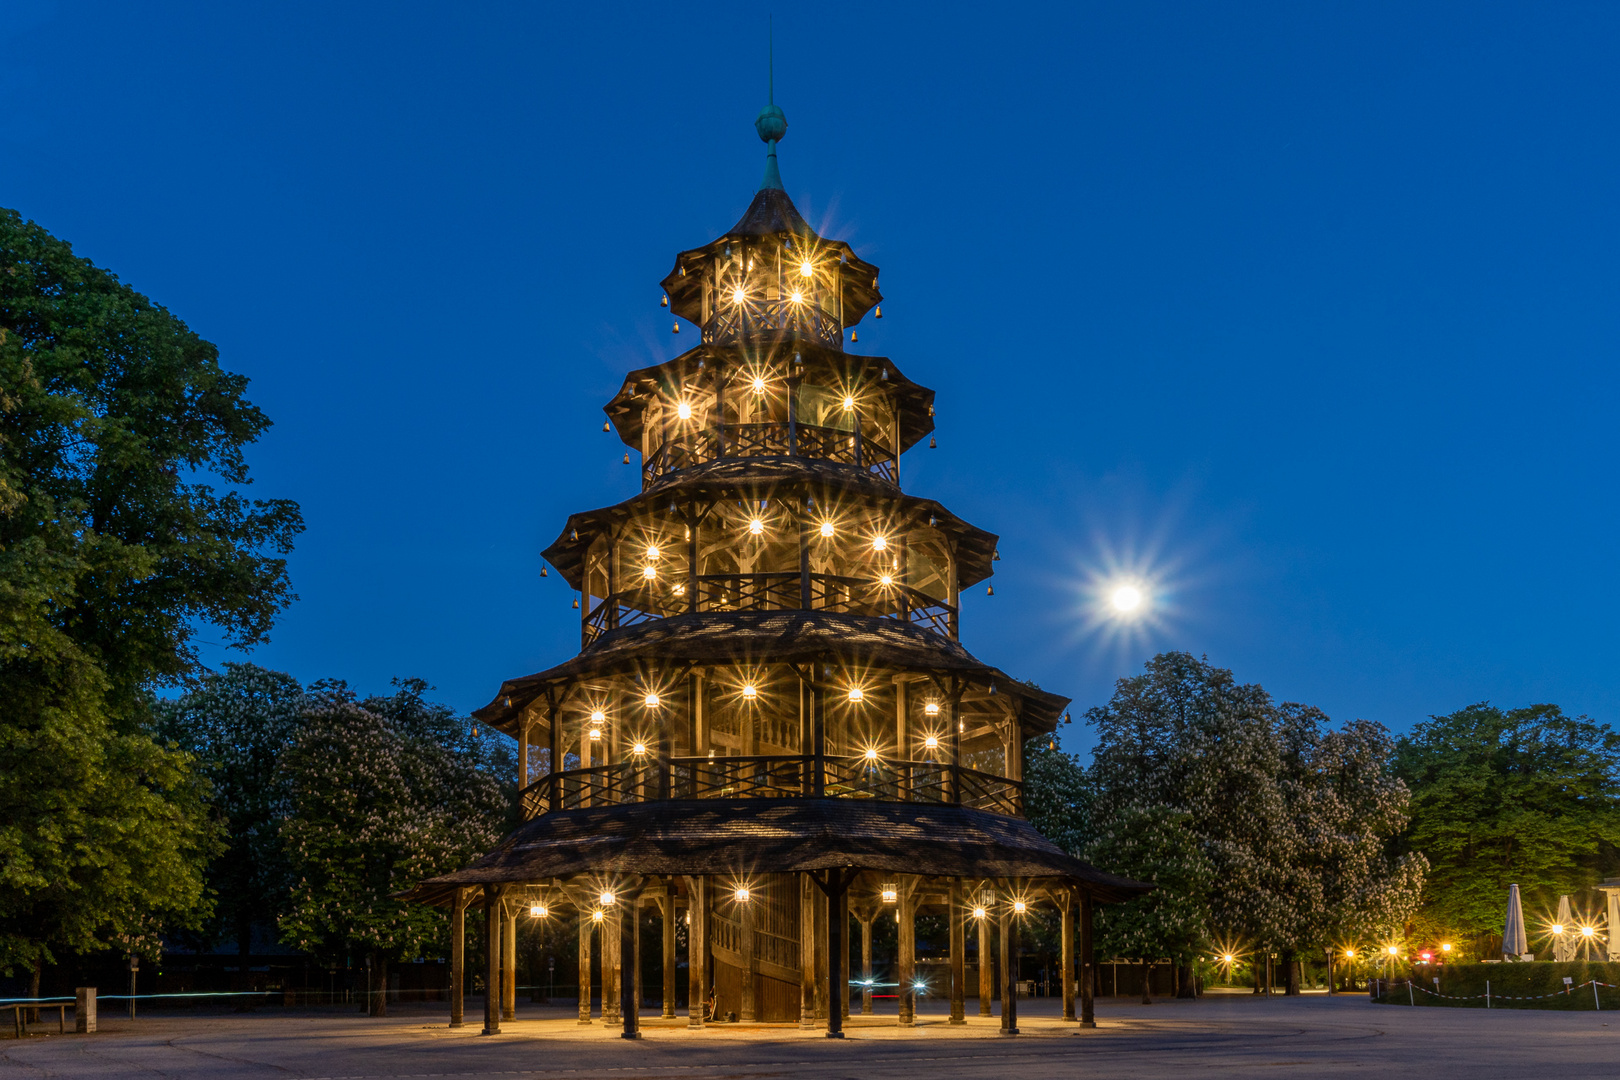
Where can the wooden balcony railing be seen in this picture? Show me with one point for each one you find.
(769, 591)
(770, 439)
(733, 322)
(786, 776)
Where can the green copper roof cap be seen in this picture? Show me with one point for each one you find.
(771, 124)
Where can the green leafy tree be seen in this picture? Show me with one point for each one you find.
(116, 422)
(1524, 796)
(237, 723)
(382, 794)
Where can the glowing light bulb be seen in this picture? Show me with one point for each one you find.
(607, 898)
(596, 915)
(931, 709)
(684, 410)
(871, 753)
(886, 580)
(1445, 948)
(805, 269)
(880, 543)
(759, 385)
(742, 896)
(890, 894)
(651, 701)
(639, 749)
(1586, 931)
(756, 527)
(1018, 907)
(798, 297)
(1227, 959)
(596, 733)
(849, 403)
(931, 743)
(750, 692)
(538, 911)
(652, 551)
(649, 572)
(826, 528)
(737, 295)
(855, 693)
(1349, 954)
(1126, 598)
(598, 716)
(979, 913)
(1393, 951)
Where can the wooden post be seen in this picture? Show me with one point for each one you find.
(629, 952)
(906, 965)
(458, 957)
(509, 961)
(748, 1011)
(492, 958)
(842, 981)
(958, 954)
(667, 907)
(612, 919)
(902, 742)
(838, 882)
(586, 925)
(1009, 972)
(866, 966)
(807, 950)
(1068, 953)
(987, 967)
(818, 943)
(697, 949)
(1088, 964)
(1331, 990)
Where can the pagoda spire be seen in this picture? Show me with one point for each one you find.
(771, 123)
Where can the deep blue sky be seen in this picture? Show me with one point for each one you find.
(1306, 311)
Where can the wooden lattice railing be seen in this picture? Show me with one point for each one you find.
(775, 776)
(770, 591)
(770, 439)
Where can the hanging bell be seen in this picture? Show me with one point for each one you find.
(883, 376)
(931, 521)
(992, 687)
(854, 336)
(627, 457)
(879, 311)
(676, 328)
(665, 301)
(607, 426)
(933, 443)
(576, 603)
(1051, 744)
(573, 534)
(990, 591)
(543, 572)
(1066, 718)
(475, 731)
(506, 701)
(997, 558)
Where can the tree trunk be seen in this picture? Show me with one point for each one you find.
(1147, 982)
(377, 996)
(244, 959)
(1186, 982)
(1291, 973)
(33, 988)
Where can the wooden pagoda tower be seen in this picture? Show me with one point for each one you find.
(771, 727)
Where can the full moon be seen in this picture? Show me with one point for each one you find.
(1126, 598)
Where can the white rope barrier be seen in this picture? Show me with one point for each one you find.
(1488, 997)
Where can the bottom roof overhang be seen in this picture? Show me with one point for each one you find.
(737, 837)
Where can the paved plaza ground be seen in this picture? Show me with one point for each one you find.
(1313, 1036)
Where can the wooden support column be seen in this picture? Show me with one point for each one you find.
(458, 957)
(1067, 898)
(836, 888)
(523, 751)
(866, 964)
(509, 961)
(906, 964)
(818, 940)
(666, 908)
(748, 1009)
(586, 925)
(612, 920)
(1009, 970)
(807, 951)
(697, 949)
(957, 917)
(987, 963)
(629, 951)
(1088, 964)
(492, 956)
(953, 716)
(843, 966)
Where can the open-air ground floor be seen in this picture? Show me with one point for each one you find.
(1313, 1036)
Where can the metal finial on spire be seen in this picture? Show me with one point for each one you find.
(770, 59)
(771, 123)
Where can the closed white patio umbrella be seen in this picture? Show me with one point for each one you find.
(1514, 944)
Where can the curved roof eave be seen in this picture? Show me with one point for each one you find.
(790, 636)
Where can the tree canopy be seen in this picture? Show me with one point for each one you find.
(123, 531)
(1523, 796)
